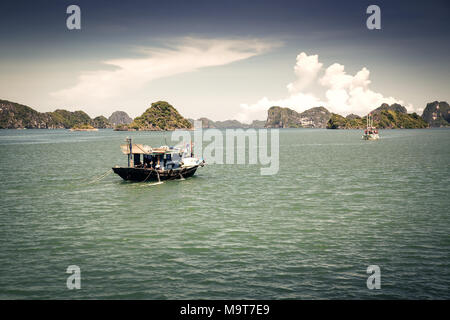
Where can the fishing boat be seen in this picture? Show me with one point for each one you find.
(371, 133)
(156, 164)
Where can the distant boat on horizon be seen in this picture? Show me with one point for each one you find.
(370, 133)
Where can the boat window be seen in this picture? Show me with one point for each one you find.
(176, 157)
(137, 159)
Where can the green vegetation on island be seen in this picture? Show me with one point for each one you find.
(389, 119)
(68, 119)
(18, 116)
(339, 122)
(228, 124)
(384, 117)
(123, 127)
(101, 122)
(163, 116)
(160, 116)
(83, 127)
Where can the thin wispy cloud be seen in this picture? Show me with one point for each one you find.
(344, 93)
(130, 74)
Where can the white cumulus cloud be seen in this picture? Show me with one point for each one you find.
(344, 93)
(306, 70)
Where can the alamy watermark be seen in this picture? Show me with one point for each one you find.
(230, 146)
(374, 280)
(74, 280)
(374, 20)
(73, 22)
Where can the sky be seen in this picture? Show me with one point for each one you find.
(224, 59)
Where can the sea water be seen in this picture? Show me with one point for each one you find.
(337, 205)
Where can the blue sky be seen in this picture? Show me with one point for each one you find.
(224, 59)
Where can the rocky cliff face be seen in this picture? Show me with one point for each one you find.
(235, 124)
(17, 116)
(160, 116)
(278, 117)
(228, 124)
(206, 123)
(384, 117)
(394, 107)
(101, 122)
(119, 117)
(352, 116)
(315, 117)
(437, 114)
(258, 124)
(231, 124)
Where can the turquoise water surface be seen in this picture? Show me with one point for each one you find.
(337, 205)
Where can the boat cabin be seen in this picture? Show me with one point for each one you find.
(162, 158)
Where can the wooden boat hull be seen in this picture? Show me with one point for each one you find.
(371, 137)
(145, 174)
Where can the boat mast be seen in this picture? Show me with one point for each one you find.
(130, 154)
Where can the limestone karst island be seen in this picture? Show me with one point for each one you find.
(162, 116)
